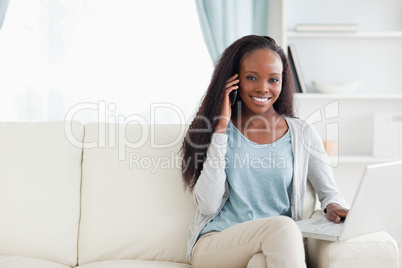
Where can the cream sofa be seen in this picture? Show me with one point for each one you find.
(100, 195)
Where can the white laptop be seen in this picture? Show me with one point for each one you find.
(376, 207)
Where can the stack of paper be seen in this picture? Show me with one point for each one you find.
(387, 135)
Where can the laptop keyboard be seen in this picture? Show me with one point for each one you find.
(332, 229)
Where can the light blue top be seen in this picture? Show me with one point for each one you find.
(259, 178)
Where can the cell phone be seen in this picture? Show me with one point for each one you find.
(232, 97)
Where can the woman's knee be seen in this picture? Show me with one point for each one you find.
(286, 225)
(284, 221)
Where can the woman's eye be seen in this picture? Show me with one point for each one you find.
(250, 77)
(273, 80)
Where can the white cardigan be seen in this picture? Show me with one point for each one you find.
(310, 162)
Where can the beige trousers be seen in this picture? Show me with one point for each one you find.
(270, 242)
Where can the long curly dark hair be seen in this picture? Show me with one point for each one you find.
(198, 137)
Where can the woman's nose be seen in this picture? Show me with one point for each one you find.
(263, 87)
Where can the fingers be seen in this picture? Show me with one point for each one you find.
(231, 84)
(335, 218)
(337, 215)
(225, 114)
(342, 212)
(232, 78)
(336, 212)
(232, 81)
(230, 89)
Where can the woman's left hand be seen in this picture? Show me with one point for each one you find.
(336, 212)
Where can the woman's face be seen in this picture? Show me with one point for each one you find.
(260, 81)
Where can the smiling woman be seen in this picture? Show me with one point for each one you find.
(244, 212)
(56, 55)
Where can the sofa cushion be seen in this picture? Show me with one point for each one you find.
(372, 250)
(133, 201)
(18, 262)
(40, 179)
(134, 264)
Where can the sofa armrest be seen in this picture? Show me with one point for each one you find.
(378, 249)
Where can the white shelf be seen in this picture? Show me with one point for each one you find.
(323, 96)
(361, 159)
(384, 34)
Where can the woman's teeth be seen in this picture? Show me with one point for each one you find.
(260, 99)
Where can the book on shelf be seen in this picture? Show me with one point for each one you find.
(300, 86)
(326, 28)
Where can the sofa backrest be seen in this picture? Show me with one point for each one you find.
(133, 201)
(40, 177)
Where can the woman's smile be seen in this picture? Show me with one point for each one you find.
(261, 100)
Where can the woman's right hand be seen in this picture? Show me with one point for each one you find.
(226, 110)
